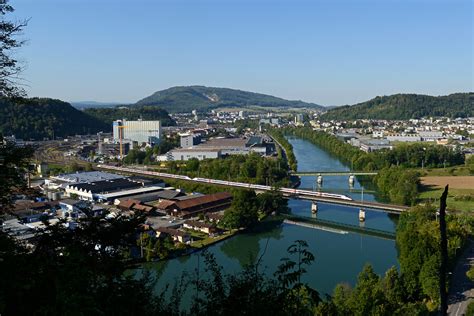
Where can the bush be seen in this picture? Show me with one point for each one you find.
(470, 309)
(470, 273)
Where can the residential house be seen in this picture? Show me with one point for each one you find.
(200, 226)
(175, 234)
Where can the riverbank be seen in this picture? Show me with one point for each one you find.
(399, 170)
(286, 150)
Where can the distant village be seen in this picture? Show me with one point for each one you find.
(372, 135)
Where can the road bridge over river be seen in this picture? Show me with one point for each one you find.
(336, 227)
(323, 197)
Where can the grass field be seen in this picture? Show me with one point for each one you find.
(449, 171)
(206, 240)
(460, 194)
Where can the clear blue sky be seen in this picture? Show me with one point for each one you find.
(328, 52)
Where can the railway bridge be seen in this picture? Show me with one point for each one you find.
(315, 197)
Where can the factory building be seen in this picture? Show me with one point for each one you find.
(220, 147)
(148, 132)
(190, 140)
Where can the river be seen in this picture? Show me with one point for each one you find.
(338, 257)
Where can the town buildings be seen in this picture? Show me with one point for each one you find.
(220, 147)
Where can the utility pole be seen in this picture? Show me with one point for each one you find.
(444, 252)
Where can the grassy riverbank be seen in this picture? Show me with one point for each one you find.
(205, 241)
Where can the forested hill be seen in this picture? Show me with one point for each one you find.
(37, 118)
(108, 115)
(406, 106)
(186, 99)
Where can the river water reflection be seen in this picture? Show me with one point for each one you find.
(339, 257)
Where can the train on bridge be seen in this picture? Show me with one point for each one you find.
(288, 191)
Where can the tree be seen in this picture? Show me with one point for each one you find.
(13, 167)
(192, 164)
(429, 279)
(73, 167)
(470, 273)
(392, 286)
(243, 211)
(443, 249)
(10, 68)
(341, 297)
(289, 275)
(272, 201)
(81, 271)
(367, 297)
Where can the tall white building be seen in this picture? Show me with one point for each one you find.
(137, 131)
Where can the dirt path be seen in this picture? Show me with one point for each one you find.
(458, 182)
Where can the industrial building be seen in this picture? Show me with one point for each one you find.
(109, 190)
(403, 138)
(220, 147)
(148, 132)
(190, 140)
(61, 181)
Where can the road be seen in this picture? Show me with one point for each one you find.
(461, 291)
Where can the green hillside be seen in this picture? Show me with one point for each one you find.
(185, 99)
(406, 106)
(108, 115)
(37, 118)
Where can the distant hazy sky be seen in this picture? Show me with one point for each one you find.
(329, 52)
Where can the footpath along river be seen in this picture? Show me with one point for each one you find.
(339, 257)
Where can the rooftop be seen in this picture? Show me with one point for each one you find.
(196, 201)
(90, 176)
(171, 231)
(154, 196)
(107, 185)
(224, 143)
(133, 191)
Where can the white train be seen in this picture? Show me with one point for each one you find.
(228, 183)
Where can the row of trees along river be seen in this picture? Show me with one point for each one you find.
(339, 256)
(397, 181)
(361, 273)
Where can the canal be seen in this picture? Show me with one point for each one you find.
(339, 256)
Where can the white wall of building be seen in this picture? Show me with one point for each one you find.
(137, 131)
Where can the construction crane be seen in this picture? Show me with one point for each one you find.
(120, 132)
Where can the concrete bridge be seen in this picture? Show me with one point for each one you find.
(374, 206)
(323, 197)
(334, 173)
(336, 227)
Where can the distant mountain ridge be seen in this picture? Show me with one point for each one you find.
(201, 98)
(94, 104)
(406, 106)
